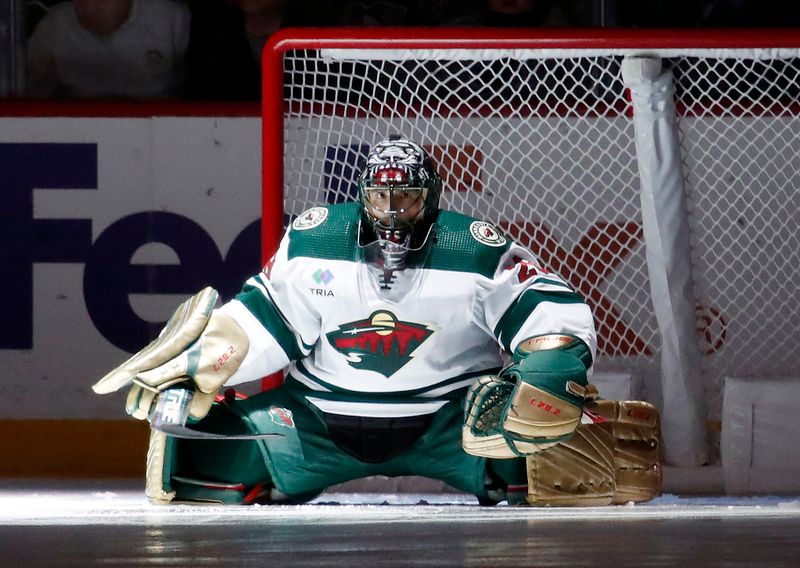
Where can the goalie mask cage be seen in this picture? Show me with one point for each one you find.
(656, 171)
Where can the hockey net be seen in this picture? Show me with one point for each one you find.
(537, 134)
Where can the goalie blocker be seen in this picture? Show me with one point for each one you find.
(580, 451)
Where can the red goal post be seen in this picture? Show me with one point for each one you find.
(656, 170)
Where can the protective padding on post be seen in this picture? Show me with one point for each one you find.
(760, 422)
(668, 250)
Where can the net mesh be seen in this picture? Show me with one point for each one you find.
(544, 147)
(739, 139)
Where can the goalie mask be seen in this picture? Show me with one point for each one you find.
(399, 192)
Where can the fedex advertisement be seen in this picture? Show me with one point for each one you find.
(107, 225)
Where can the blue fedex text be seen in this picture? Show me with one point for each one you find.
(109, 275)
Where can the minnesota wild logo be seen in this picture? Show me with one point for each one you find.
(379, 343)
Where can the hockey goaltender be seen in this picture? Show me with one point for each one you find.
(414, 341)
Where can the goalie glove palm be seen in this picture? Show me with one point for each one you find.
(533, 404)
(198, 345)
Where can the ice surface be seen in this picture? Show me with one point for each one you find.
(69, 524)
(111, 503)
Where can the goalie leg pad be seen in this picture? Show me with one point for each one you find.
(229, 472)
(575, 473)
(636, 431)
(155, 488)
(236, 471)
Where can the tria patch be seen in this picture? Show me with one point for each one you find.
(310, 218)
(486, 233)
(379, 343)
(322, 276)
(322, 292)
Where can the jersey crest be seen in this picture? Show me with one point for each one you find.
(310, 218)
(281, 416)
(486, 233)
(379, 343)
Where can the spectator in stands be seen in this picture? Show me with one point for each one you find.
(377, 13)
(447, 12)
(227, 39)
(109, 49)
(262, 18)
(220, 62)
(373, 13)
(537, 13)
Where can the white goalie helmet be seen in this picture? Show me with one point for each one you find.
(399, 191)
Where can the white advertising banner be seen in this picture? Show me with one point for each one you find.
(107, 224)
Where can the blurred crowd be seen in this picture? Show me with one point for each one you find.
(211, 49)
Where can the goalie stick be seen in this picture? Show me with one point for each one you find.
(180, 431)
(172, 411)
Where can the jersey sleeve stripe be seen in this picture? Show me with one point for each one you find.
(517, 314)
(561, 286)
(258, 301)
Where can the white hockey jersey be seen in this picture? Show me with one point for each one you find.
(357, 340)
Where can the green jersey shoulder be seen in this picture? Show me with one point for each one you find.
(458, 242)
(466, 244)
(329, 232)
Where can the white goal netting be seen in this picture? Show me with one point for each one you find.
(542, 141)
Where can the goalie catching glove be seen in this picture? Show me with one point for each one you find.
(198, 346)
(533, 404)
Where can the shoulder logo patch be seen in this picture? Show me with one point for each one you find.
(486, 233)
(309, 219)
